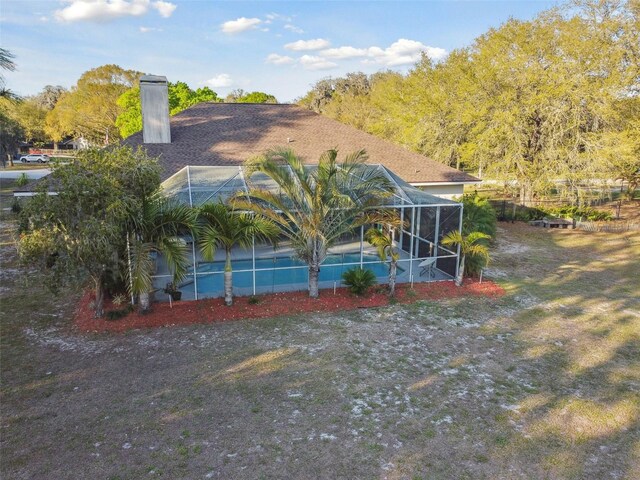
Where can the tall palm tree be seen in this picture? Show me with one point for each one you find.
(382, 239)
(156, 229)
(314, 207)
(470, 245)
(222, 226)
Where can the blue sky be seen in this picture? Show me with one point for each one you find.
(277, 47)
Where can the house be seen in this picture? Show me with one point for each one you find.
(202, 151)
(227, 134)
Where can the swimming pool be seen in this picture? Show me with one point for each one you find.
(277, 271)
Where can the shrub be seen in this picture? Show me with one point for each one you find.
(359, 280)
(22, 180)
(478, 215)
(254, 300)
(118, 314)
(118, 299)
(16, 207)
(527, 214)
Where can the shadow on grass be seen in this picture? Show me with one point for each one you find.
(582, 343)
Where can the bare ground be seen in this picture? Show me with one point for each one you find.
(542, 383)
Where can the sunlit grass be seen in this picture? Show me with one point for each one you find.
(576, 419)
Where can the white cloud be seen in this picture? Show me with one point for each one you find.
(240, 25)
(403, 52)
(107, 10)
(220, 81)
(344, 52)
(165, 9)
(302, 45)
(276, 59)
(276, 16)
(293, 28)
(311, 62)
(150, 29)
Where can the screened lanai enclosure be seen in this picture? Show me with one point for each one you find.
(263, 269)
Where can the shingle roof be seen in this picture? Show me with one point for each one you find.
(223, 134)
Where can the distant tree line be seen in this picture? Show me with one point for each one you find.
(534, 101)
(102, 108)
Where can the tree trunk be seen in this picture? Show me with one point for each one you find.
(228, 280)
(460, 272)
(526, 194)
(145, 302)
(314, 273)
(393, 268)
(99, 301)
(228, 288)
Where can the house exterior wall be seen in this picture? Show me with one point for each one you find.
(443, 191)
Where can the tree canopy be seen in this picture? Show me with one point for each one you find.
(181, 97)
(90, 108)
(240, 96)
(532, 101)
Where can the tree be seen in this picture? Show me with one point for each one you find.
(11, 131)
(6, 63)
(478, 215)
(31, 113)
(531, 101)
(222, 226)
(32, 119)
(257, 97)
(470, 245)
(152, 230)
(319, 96)
(382, 239)
(240, 96)
(314, 207)
(89, 110)
(181, 97)
(49, 96)
(80, 233)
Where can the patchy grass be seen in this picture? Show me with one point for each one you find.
(543, 382)
(25, 166)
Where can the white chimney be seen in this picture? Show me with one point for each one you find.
(154, 96)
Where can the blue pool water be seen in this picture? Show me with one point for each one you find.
(211, 281)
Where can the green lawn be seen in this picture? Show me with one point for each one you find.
(543, 383)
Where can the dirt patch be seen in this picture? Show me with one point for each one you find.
(274, 305)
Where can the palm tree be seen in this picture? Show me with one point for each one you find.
(156, 229)
(7, 63)
(478, 215)
(470, 245)
(314, 207)
(382, 239)
(225, 228)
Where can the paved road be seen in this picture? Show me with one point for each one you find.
(32, 174)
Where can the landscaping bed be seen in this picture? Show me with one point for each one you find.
(273, 305)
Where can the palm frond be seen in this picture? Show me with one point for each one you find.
(141, 267)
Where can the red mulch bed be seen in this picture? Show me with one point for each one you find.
(272, 305)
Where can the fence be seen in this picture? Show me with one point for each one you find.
(609, 227)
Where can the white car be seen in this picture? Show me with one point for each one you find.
(35, 158)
